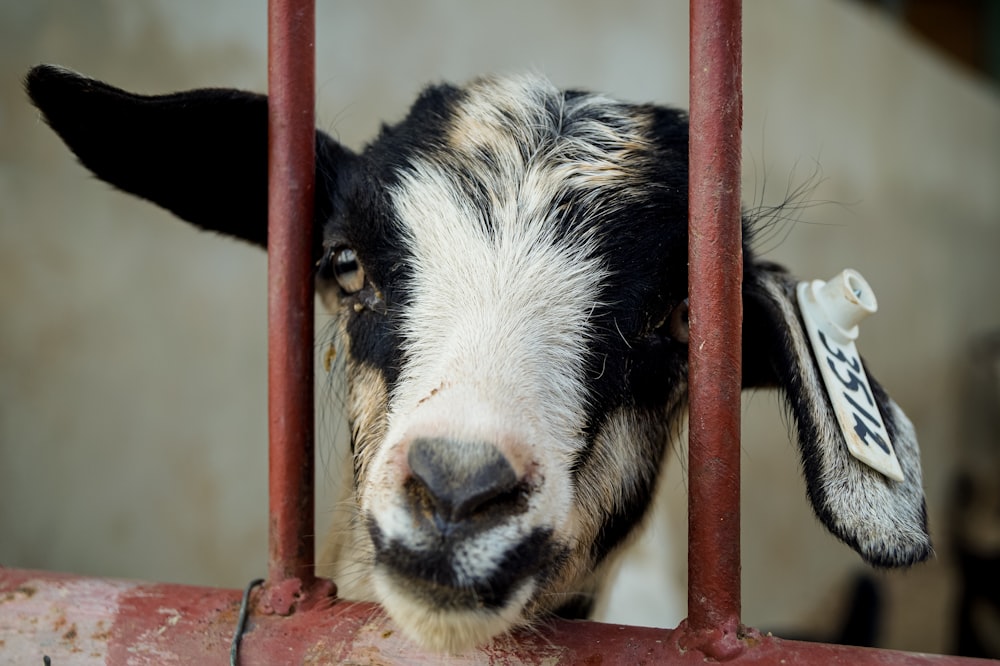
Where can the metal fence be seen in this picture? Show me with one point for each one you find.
(294, 617)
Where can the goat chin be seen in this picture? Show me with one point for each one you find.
(447, 631)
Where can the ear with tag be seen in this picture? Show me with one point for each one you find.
(884, 520)
(201, 154)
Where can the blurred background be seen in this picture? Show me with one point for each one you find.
(132, 348)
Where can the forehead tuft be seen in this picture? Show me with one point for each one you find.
(517, 153)
(520, 123)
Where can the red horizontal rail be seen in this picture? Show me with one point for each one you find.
(83, 621)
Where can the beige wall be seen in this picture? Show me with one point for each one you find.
(132, 370)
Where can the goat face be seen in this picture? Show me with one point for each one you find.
(507, 270)
(502, 345)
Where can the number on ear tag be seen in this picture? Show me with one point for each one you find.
(831, 312)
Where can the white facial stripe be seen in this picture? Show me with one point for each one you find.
(498, 326)
(506, 314)
(498, 298)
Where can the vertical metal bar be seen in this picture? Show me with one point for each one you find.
(291, 173)
(715, 272)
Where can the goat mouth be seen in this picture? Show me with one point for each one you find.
(441, 577)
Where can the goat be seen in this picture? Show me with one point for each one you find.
(507, 272)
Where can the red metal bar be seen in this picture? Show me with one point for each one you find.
(291, 173)
(83, 621)
(715, 269)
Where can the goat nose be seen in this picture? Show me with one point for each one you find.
(459, 479)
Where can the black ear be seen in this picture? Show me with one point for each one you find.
(884, 520)
(201, 154)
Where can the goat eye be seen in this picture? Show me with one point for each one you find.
(347, 271)
(678, 323)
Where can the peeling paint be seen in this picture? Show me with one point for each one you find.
(23, 592)
(66, 616)
(173, 617)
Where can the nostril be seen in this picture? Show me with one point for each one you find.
(460, 479)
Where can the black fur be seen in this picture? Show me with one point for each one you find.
(431, 576)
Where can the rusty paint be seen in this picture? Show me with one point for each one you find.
(101, 633)
(20, 593)
(142, 623)
(715, 266)
(291, 594)
(291, 173)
